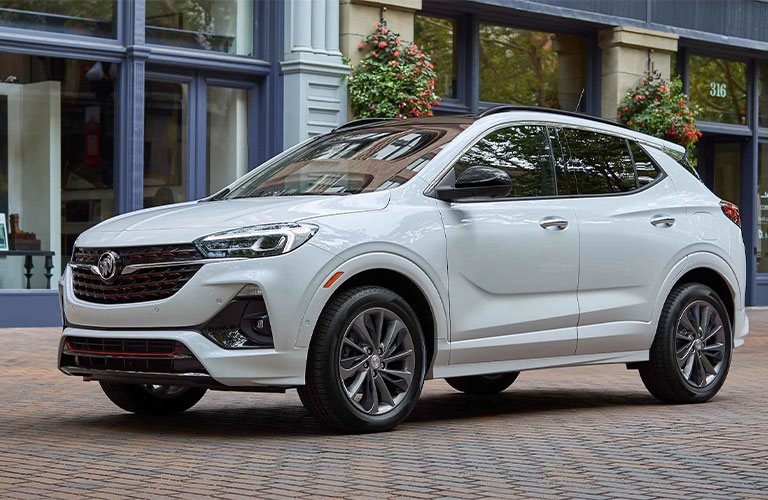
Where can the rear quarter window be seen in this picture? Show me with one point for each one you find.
(599, 163)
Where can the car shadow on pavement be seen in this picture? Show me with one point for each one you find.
(279, 420)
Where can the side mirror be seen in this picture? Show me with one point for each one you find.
(477, 182)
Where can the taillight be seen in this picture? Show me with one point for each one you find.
(731, 211)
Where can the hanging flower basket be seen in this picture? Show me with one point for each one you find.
(395, 79)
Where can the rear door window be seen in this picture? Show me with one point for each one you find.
(647, 171)
(598, 163)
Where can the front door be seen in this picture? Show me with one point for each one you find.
(513, 272)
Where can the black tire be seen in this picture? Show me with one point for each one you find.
(324, 394)
(661, 374)
(483, 384)
(152, 400)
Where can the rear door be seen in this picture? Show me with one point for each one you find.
(513, 263)
(633, 229)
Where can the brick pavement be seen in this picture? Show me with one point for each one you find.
(591, 432)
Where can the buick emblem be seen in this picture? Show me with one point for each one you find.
(108, 265)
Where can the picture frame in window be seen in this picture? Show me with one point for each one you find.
(3, 233)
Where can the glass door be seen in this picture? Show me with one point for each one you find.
(720, 159)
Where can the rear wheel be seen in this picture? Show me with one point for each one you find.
(691, 354)
(483, 384)
(152, 399)
(366, 362)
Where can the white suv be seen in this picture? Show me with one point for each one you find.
(362, 262)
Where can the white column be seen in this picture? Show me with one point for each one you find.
(318, 24)
(301, 31)
(332, 26)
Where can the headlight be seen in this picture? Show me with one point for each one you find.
(256, 241)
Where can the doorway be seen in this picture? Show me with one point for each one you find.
(719, 164)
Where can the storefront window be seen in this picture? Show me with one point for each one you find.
(227, 136)
(719, 87)
(437, 36)
(762, 216)
(216, 25)
(532, 68)
(57, 121)
(81, 17)
(166, 111)
(762, 93)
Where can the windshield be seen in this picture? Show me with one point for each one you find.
(351, 162)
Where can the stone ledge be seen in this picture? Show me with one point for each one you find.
(624, 36)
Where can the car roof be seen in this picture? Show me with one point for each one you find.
(502, 112)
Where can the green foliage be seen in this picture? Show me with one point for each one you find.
(660, 108)
(435, 36)
(394, 79)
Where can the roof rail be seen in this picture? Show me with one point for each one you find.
(360, 122)
(502, 108)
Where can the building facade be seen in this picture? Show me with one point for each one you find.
(109, 106)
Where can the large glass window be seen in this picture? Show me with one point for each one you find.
(762, 215)
(166, 112)
(719, 87)
(227, 136)
(532, 68)
(523, 152)
(762, 95)
(599, 163)
(437, 36)
(57, 120)
(76, 17)
(216, 25)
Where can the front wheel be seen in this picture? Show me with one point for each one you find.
(483, 384)
(691, 354)
(152, 399)
(366, 362)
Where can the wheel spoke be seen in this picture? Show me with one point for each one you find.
(696, 317)
(706, 365)
(682, 336)
(392, 328)
(715, 351)
(358, 364)
(370, 399)
(688, 368)
(401, 378)
(398, 356)
(378, 329)
(706, 315)
(685, 321)
(355, 387)
(712, 333)
(362, 329)
(384, 394)
(681, 360)
(348, 341)
(700, 371)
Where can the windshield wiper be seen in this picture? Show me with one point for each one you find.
(217, 196)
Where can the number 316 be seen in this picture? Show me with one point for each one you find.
(717, 89)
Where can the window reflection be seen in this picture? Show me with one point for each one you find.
(599, 163)
(532, 68)
(644, 166)
(719, 86)
(523, 152)
(215, 25)
(762, 199)
(437, 37)
(81, 17)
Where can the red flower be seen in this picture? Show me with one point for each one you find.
(382, 45)
(384, 31)
(360, 45)
(375, 37)
(397, 54)
(431, 66)
(373, 53)
(399, 75)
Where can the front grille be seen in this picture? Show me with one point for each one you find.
(152, 283)
(147, 347)
(81, 354)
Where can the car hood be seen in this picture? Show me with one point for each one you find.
(185, 222)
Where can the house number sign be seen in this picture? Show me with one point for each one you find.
(718, 89)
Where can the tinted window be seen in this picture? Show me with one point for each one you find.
(644, 166)
(565, 184)
(522, 152)
(599, 163)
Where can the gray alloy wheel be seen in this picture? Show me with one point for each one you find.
(700, 343)
(691, 352)
(376, 361)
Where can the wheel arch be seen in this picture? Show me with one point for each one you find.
(714, 280)
(399, 275)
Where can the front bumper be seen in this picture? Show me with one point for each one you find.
(231, 368)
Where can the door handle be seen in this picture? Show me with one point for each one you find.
(553, 223)
(663, 220)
